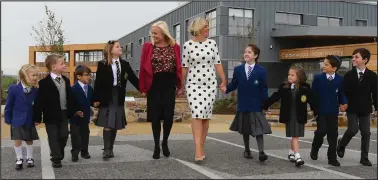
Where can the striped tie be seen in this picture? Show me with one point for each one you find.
(330, 78)
(118, 74)
(86, 90)
(361, 76)
(249, 72)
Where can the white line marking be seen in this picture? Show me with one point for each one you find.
(199, 169)
(373, 140)
(47, 170)
(284, 158)
(311, 143)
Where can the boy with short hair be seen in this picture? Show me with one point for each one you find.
(55, 101)
(360, 87)
(79, 124)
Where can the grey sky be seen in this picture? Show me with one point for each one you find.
(83, 22)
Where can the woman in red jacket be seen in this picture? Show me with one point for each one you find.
(159, 76)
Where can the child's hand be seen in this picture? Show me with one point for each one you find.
(343, 107)
(80, 113)
(96, 104)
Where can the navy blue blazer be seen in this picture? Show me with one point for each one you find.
(18, 110)
(330, 93)
(83, 102)
(253, 92)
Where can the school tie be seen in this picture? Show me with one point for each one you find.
(330, 78)
(118, 74)
(26, 90)
(361, 76)
(57, 79)
(249, 72)
(86, 90)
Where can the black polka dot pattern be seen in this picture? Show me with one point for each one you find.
(201, 86)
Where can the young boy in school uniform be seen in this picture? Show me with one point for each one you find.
(328, 87)
(79, 124)
(360, 87)
(55, 101)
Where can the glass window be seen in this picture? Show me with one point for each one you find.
(361, 22)
(176, 30)
(141, 41)
(334, 21)
(295, 19)
(240, 22)
(212, 17)
(281, 18)
(322, 21)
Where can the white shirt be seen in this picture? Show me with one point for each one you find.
(53, 76)
(246, 68)
(25, 87)
(82, 85)
(292, 86)
(333, 76)
(114, 68)
(358, 72)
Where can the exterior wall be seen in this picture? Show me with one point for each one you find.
(232, 46)
(71, 62)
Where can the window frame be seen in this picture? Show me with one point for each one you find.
(243, 18)
(328, 20)
(361, 20)
(288, 19)
(209, 16)
(175, 33)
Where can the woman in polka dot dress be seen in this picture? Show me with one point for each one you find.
(200, 60)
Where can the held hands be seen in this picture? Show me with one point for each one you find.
(36, 124)
(96, 104)
(223, 87)
(344, 107)
(79, 113)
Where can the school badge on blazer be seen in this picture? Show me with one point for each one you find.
(303, 98)
(256, 82)
(337, 90)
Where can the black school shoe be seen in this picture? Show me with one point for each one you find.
(263, 157)
(339, 150)
(57, 164)
(19, 164)
(365, 162)
(75, 158)
(314, 154)
(248, 154)
(30, 162)
(85, 155)
(334, 162)
(299, 162)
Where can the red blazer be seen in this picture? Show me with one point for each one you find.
(145, 70)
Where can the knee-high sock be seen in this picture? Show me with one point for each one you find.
(260, 143)
(29, 151)
(246, 141)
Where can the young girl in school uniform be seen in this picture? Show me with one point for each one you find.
(294, 94)
(18, 113)
(109, 94)
(250, 80)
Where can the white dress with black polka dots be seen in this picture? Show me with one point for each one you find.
(201, 85)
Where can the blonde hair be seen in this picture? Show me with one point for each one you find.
(23, 75)
(196, 25)
(164, 29)
(52, 60)
(108, 51)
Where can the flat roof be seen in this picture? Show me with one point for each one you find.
(350, 31)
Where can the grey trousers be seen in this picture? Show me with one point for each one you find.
(358, 122)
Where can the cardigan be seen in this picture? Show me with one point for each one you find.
(104, 82)
(361, 95)
(304, 96)
(48, 102)
(329, 93)
(146, 74)
(252, 92)
(84, 103)
(18, 109)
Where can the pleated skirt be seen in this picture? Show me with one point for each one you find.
(24, 133)
(252, 123)
(112, 116)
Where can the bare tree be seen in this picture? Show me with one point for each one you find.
(49, 34)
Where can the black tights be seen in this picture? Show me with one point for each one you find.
(156, 129)
(259, 139)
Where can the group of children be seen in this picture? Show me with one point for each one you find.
(61, 104)
(354, 93)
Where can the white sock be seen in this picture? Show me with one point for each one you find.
(291, 152)
(297, 155)
(29, 151)
(18, 151)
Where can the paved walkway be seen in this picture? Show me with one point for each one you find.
(224, 152)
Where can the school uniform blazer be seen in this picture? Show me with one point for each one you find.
(84, 103)
(329, 93)
(48, 102)
(252, 92)
(146, 74)
(361, 96)
(18, 110)
(304, 96)
(104, 82)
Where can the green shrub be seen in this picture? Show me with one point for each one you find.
(4, 96)
(135, 94)
(225, 106)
